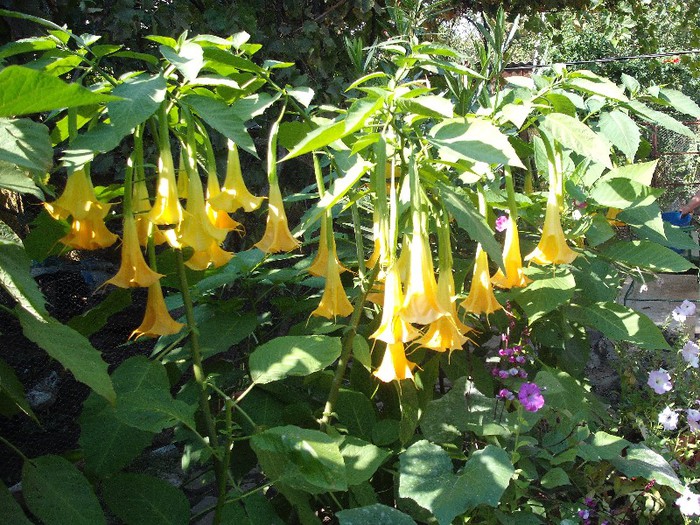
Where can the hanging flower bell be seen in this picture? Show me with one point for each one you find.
(394, 364)
(234, 194)
(334, 301)
(420, 304)
(552, 248)
(319, 266)
(392, 327)
(133, 271)
(89, 233)
(514, 276)
(481, 299)
(166, 208)
(157, 320)
(277, 237)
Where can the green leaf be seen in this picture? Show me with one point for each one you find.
(621, 131)
(57, 493)
(680, 102)
(18, 281)
(361, 352)
(426, 477)
(476, 140)
(308, 460)
(188, 60)
(27, 45)
(292, 356)
(596, 85)
(303, 94)
(11, 511)
(11, 387)
(223, 118)
(70, 349)
(554, 478)
(318, 138)
(547, 292)
(362, 459)
(641, 172)
(646, 254)
(657, 117)
(620, 323)
(26, 144)
(265, 410)
(385, 432)
(224, 330)
(138, 499)
(96, 318)
(356, 412)
(376, 513)
(576, 136)
(602, 446)
(644, 462)
(428, 105)
(410, 411)
(141, 97)
(472, 222)
(14, 179)
(26, 91)
(620, 193)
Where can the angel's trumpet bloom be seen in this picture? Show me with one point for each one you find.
(334, 302)
(134, 271)
(141, 206)
(78, 200)
(89, 233)
(234, 194)
(319, 266)
(394, 364)
(393, 328)
(220, 219)
(167, 208)
(552, 248)
(420, 304)
(443, 334)
(481, 299)
(277, 237)
(157, 320)
(196, 230)
(213, 255)
(514, 276)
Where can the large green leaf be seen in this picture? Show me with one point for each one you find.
(646, 254)
(546, 293)
(602, 446)
(589, 82)
(26, 144)
(97, 317)
(138, 499)
(57, 493)
(644, 462)
(621, 131)
(26, 91)
(621, 192)
(14, 179)
(188, 59)
(472, 222)
(680, 101)
(318, 138)
(428, 105)
(657, 117)
(362, 459)
(641, 172)
(305, 459)
(475, 140)
(224, 330)
(223, 118)
(356, 412)
(69, 348)
(377, 513)
(141, 97)
(576, 136)
(620, 323)
(11, 388)
(18, 281)
(426, 477)
(293, 356)
(11, 511)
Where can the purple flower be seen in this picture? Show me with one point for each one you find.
(531, 397)
(691, 353)
(668, 418)
(502, 223)
(503, 374)
(660, 381)
(504, 393)
(693, 419)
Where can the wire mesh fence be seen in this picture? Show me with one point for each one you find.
(678, 170)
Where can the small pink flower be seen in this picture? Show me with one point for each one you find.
(504, 393)
(502, 223)
(691, 353)
(531, 397)
(660, 381)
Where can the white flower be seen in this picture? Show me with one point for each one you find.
(644, 288)
(686, 309)
(691, 353)
(688, 503)
(576, 215)
(660, 381)
(693, 419)
(668, 418)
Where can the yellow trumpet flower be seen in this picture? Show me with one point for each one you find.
(89, 233)
(196, 230)
(319, 266)
(213, 255)
(334, 302)
(134, 271)
(166, 208)
(394, 364)
(420, 304)
(552, 248)
(78, 200)
(514, 276)
(392, 327)
(443, 334)
(234, 194)
(481, 299)
(220, 219)
(157, 320)
(277, 237)
(141, 206)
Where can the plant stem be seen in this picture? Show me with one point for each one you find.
(346, 351)
(200, 378)
(14, 449)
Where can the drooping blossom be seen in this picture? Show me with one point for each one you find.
(277, 237)
(234, 194)
(481, 299)
(394, 364)
(691, 353)
(668, 418)
(514, 276)
(133, 270)
(552, 248)
(334, 301)
(166, 208)
(660, 381)
(319, 266)
(392, 327)
(693, 417)
(688, 503)
(420, 303)
(157, 320)
(684, 310)
(531, 397)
